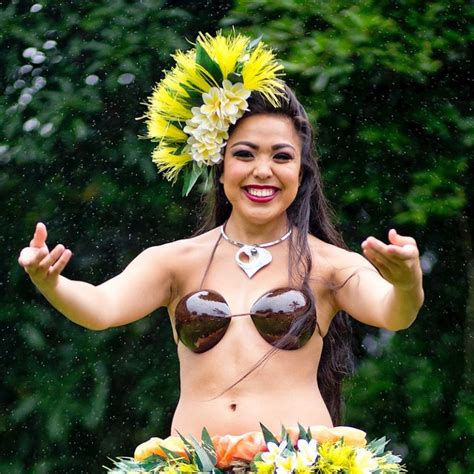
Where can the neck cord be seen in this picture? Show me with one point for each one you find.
(266, 244)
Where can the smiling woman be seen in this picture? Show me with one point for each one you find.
(268, 253)
(262, 164)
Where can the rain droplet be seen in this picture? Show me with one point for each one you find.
(25, 99)
(92, 80)
(19, 84)
(31, 124)
(39, 82)
(50, 44)
(38, 58)
(126, 78)
(46, 129)
(25, 69)
(3, 149)
(36, 72)
(36, 8)
(29, 52)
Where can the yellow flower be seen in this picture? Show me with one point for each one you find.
(264, 467)
(261, 73)
(225, 51)
(334, 457)
(301, 466)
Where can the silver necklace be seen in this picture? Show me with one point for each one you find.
(257, 256)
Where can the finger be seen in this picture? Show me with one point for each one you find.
(374, 245)
(395, 238)
(63, 260)
(52, 257)
(31, 257)
(378, 257)
(40, 236)
(404, 252)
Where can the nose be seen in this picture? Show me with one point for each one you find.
(263, 169)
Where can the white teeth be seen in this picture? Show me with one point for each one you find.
(261, 192)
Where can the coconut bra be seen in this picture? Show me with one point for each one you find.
(284, 317)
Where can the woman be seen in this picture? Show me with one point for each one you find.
(275, 263)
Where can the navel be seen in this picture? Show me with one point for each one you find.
(233, 406)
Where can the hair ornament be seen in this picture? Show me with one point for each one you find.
(192, 107)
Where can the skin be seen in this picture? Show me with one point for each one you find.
(386, 293)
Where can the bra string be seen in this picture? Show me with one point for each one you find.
(210, 261)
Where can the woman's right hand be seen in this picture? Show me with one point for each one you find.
(43, 266)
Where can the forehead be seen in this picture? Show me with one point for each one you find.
(266, 128)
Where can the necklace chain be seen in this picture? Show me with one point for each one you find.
(266, 244)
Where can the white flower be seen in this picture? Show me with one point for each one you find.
(285, 465)
(364, 461)
(209, 125)
(308, 452)
(234, 100)
(274, 451)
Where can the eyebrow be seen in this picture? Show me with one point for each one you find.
(277, 146)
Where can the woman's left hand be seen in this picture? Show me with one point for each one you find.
(398, 262)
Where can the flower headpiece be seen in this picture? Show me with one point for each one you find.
(193, 106)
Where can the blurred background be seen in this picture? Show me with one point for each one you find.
(387, 86)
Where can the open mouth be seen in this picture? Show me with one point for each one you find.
(260, 193)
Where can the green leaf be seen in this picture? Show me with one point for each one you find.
(204, 60)
(268, 435)
(189, 449)
(190, 177)
(208, 445)
(286, 437)
(204, 462)
(234, 77)
(377, 446)
(303, 434)
(253, 44)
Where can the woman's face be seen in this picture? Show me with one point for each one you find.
(262, 163)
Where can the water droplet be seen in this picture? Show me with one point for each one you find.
(38, 58)
(29, 52)
(19, 84)
(39, 82)
(92, 80)
(36, 8)
(31, 124)
(25, 69)
(126, 78)
(36, 72)
(50, 44)
(25, 99)
(46, 129)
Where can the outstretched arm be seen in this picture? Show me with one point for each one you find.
(388, 293)
(141, 288)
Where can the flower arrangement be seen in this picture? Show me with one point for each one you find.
(318, 450)
(193, 106)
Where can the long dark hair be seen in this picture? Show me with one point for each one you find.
(310, 213)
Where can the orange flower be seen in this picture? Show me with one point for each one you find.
(243, 447)
(154, 446)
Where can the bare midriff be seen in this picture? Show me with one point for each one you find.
(283, 390)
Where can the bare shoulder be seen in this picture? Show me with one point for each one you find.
(184, 249)
(336, 262)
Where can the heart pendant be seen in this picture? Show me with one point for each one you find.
(258, 258)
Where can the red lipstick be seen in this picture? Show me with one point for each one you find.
(260, 199)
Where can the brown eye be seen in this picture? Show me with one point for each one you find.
(243, 154)
(283, 157)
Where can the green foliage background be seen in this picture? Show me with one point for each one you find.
(386, 83)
